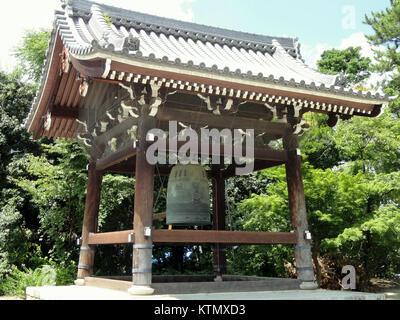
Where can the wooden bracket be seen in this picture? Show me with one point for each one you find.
(85, 83)
(144, 99)
(221, 105)
(65, 61)
(278, 114)
(333, 120)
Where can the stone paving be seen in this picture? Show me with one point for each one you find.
(92, 293)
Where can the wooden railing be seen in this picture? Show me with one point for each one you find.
(197, 237)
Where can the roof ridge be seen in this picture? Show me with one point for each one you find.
(116, 14)
(299, 63)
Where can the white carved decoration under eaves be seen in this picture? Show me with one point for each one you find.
(48, 122)
(144, 99)
(221, 105)
(65, 61)
(130, 103)
(299, 124)
(291, 115)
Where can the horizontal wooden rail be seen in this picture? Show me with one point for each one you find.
(195, 237)
(121, 237)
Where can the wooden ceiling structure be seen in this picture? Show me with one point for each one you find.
(112, 74)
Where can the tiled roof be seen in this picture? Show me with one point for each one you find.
(140, 21)
(85, 31)
(89, 31)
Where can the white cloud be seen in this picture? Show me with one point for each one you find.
(311, 54)
(358, 40)
(19, 15)
(367, 50)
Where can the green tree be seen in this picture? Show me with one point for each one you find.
(17, 219)
(386, 36)
(370, 144)
(348, 62)
(56, 182)
(318, 144)
(31, 53)
(15, 95)
(342, 207)
(386, 27)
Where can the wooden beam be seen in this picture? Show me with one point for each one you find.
(223, 237)
(125, 167)
(90, 68)
(159, 216)
(121, 237)
(115, 158)
(117, 162)
(65, 113)
(116, 131)
(45, 100)
(170, 113)
(259, 165)
(259, 153)
(129, 167)
(199, 237)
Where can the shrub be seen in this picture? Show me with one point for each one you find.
(66, 275)
(17, 282)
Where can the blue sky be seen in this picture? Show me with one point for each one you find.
(313, 21)
(319, 24)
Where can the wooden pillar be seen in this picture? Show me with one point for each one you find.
(144, 185)
(298, 211)
(86, 257)
(219, 211)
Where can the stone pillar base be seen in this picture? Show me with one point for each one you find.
(140, 291)
(79, 282)
(309, 285)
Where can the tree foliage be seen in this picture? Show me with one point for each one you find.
(385, 25)
(348, 61)
(386, 36)
(15, 95)
(31, 53)
(351, 182)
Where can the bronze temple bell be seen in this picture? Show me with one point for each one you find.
(188, 198)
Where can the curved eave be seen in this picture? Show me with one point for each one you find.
(102, 64)
(47, 82)
(113, 62)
